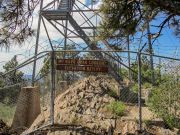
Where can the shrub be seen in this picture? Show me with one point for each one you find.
(147, 122)
(172, 121)
(135, 88)
(112, 93)
(164, 102)
(7, 113)
(117, 108)
(147, 85)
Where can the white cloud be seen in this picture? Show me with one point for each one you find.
(27, 49)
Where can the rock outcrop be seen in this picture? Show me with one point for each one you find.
(84, 103)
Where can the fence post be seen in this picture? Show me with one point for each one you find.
(52, 87)
(139, 92)
(37, 44)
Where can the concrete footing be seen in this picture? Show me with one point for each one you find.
(28, 108)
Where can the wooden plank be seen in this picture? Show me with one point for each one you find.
(82, 68)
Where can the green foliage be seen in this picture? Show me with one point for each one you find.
(46, 67)
(172, 121)
(112, 93)
(146, 72)
(123, 17)
(16, 21)
(147, 122)
(117, 108)
(144, 86)
(135, 88)
(7, 113)
(123, 72)
(165, 101)
(116, 15)
(2, 83)
(15, 76)
(147, 85)
(9, 95)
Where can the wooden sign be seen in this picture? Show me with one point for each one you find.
(81, 62)
(82, 65)
(82, 68)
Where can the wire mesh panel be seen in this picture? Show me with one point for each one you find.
(75, 100)
(20, 103)
(161, 98)
(8, 102)
(80, 96)
(11, 85)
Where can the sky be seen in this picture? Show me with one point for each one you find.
(26, 50)
(166, 45)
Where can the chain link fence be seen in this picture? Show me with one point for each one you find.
(143, 100)
(161, 95)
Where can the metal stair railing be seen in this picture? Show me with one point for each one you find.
(63, 13)
(113, 71)
(66, 5)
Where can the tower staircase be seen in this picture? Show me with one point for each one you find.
(63, 12)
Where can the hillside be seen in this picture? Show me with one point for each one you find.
(89, 103)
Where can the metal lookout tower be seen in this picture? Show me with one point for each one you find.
(75, 21)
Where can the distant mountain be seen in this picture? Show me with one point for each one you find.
(27, 77)
(88, 2)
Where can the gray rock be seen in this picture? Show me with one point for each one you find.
(88, 111)
(93, 104)
(166, 132)
(106, 100)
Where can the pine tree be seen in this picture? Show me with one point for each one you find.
(126, 17)
(16, 18)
